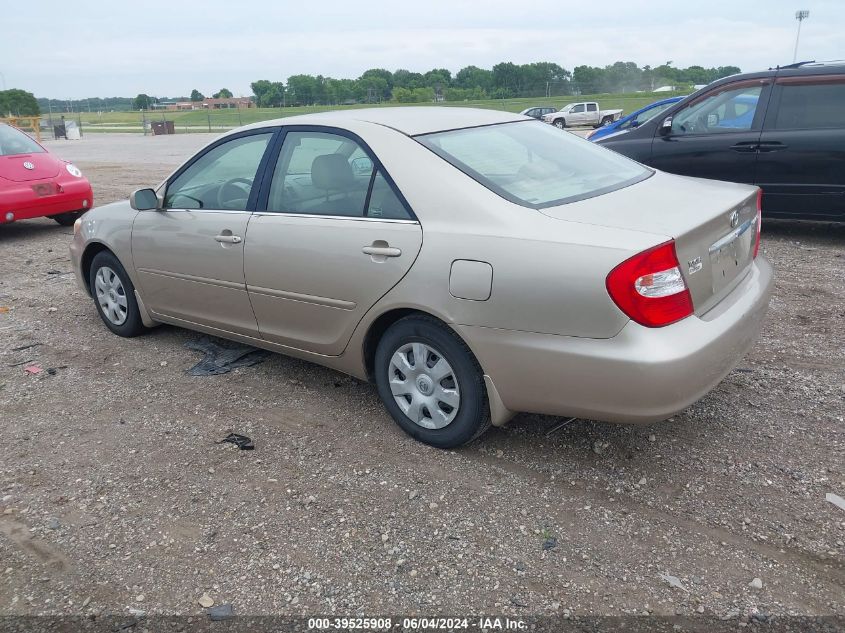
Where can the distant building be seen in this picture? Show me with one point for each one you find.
(232, 102)
(175, 105)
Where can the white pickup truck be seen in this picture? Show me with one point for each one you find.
(583, 113)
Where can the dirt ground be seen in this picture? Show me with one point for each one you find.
(114, 495)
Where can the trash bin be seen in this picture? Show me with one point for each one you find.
(159, 128)
(171, 127)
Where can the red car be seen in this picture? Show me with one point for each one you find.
(34, 183)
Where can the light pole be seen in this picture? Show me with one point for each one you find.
(800, 16)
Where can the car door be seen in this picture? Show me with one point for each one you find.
(715, 135)
(333, 236)
(189, 256)
(592, 114)
(576, 115)
(801, 160)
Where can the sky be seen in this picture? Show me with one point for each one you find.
(166, 48)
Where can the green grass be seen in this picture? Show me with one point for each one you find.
(198, 120)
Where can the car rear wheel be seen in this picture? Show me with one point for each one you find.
(606, 121)
(114, 296)
(559, 123)
(67, 219)
(430, 383)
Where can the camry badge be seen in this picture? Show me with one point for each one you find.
(734, 219)
(28, 165)
(694, 265)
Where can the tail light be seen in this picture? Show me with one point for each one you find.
(759, 222)
(650, 288)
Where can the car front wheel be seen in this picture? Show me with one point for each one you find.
(431, 383)
(559, 123)
(67, 219)
(114, 296)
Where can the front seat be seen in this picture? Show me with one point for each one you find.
(333, 174)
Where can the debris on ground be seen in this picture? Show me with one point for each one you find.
(836, 500)
(756, 584)
(221, 357)
(33, 369)
(23, 347)
(673, 581)
(550, 543)
(222, 612)
(206, 601)
(241, 441)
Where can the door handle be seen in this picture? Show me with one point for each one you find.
(747, 147)
(771, 146)
(229, 239)
(381, 251)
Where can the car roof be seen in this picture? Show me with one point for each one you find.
(408, 120)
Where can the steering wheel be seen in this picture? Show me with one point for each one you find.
(236, 189)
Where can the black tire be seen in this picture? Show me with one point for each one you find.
(132, 325)
(473, 416)
(559, 123)
(606, 121)
(67, 219)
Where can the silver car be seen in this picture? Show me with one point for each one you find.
(471, 263)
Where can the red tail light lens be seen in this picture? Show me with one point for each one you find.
(759, 222)
(650, 288)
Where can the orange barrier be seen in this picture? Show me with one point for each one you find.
(30, 124)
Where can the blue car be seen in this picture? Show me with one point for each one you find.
(634, 119)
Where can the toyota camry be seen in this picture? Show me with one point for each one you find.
(471, 263)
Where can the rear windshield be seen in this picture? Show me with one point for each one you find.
(535, 164)
(13, 141)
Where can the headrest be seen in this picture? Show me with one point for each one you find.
(332, 172)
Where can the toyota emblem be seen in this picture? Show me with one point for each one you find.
(28, 165)
(734, 219)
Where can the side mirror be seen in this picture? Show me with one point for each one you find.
(635, 123)
(666, 126)
(143, 200)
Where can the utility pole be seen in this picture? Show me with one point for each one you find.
(800, 16)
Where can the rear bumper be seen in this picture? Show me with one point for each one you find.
(22, 202)
(641, 375)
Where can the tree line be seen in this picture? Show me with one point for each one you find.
(505, 80)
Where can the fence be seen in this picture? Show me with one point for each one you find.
(186, 121)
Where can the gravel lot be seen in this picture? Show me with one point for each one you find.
(114, 495)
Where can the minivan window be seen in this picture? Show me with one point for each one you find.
(730, 110)
(809, 106)
(534, 164)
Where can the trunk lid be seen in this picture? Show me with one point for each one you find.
(713, 224)
(17, 167)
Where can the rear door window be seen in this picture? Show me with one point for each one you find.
(592, 107)
(808, 104)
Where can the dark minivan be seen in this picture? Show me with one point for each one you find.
(782, 129)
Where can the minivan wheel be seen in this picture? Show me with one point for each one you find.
(560, 123)
(114, 295)
(431, 383)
